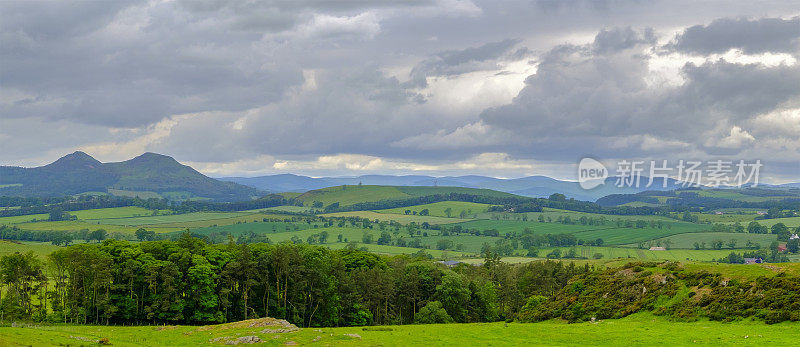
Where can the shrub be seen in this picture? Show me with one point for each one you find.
(432, 313)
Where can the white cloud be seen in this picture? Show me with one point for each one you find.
(363, 26)
(734, 140)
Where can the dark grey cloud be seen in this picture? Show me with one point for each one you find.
(300, 79)
(608, 41)
(587, 99)
(345, 111)
(750, 35)
(466, 60)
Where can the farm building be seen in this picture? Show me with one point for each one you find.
(658, 249)
(450, 263)
(753, 260)
(794, 237)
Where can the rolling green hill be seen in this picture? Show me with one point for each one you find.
(148, 175)
(440, 209)
(349, 195)
(704, 196)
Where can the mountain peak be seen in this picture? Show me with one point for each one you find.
(150, 157)
(75, 160)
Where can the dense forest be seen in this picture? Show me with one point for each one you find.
(191, 282)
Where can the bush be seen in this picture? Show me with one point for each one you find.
(432, 313)
(555, 254)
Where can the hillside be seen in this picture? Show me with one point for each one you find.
(707, 196)
(147, 175)
(347, 195)
(533, 186)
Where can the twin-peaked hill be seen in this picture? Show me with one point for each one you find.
(147, 175)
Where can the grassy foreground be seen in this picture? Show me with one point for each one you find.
(638, 329)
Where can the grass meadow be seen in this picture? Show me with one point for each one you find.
(400, 218)
(641, 329)
(176, 218)
(438, 209)
(688, 240)
(41, 249)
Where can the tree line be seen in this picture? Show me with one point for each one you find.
(191, 282)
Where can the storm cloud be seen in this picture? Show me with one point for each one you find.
(397, 87)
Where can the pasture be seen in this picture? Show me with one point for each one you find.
(41, 249)
(619, 236)
(234, 218)
(23, 219)
(353, 194)
(257, 228)
(400, 218)
(80, 225)
(554, 214)
(290, 209)
(115, 213)
(643, 254)
(689, 239)
(735, 195)
(134, 194)
(507, 226)
(176, 218)
(439, 209)
(349, 195)
(641, 329)
(726, 217)
(792, 222)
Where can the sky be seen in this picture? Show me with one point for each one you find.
(439, 87)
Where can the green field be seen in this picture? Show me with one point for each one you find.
(23, 219)
(438, 209)
(619, 236)
(644, 254)
(42, 249)
(734, 195)
(507, 226)
(235, 218)
(574, 215)
(256, 228)
(728, 218)
(349, 195)
(133, 194)
(400, 218)
(394, 250)
(176, 218)
(113, 213)
(688, 240)
(353, 194)
(290, 209)
(636, 330)
(640, 204)
(792, 222)
(80, 225)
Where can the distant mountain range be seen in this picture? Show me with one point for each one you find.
(533, 186)
(156, 175)
(148, 175)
